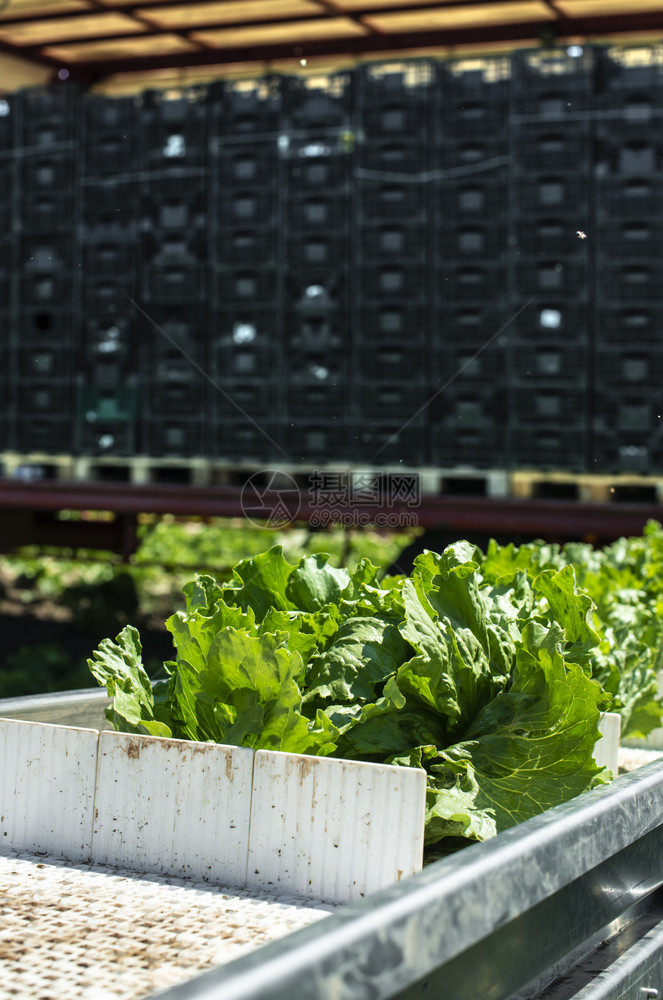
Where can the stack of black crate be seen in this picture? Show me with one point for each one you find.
(107, 360)
(7, 206)
(172, 325)
(392, 241)
(43, 323)
(469, 294)
(551, 134)
(316, 147)
(627, 418)
(246, 262)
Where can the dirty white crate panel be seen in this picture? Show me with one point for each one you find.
(173, 806)
(47, 787)
(606, 749)
(335, 829)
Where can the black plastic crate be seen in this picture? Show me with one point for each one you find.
(238, 164)
(45, 434)
(319, 370)
(629, 238)
(389, 442)
(468, 324)
(319, 442)
(480, 446)
(46, 288)
(555, 232)
(174, 131)
(7, 187)
(464, 404)
(49, 115)
(403, 399)
(172, 332)
(255, 245)
(397, 241)
(469, 240)
(472, 97)
(551, 317)
(628, 157)
(407, 154)
(551, 84)
(626, 452)
(393, 281)
(546, 403)
(392, 359)
(318, 103)
(46, 213)
(457, 366)
(241, 439)
(45, 360)
(110, 200)
(168, 249)
(317, 401)
(109, 295)
(630, 280)
(101, 438)
(43, 398)
(256, 286)
(8, 106)
(317, 165)
(554, 361)
(471, 198)
(555, 446)
(380, 322)
(552, 147)
(456, 282)
(621, 199)
(176, 204)
(45, 254)
(395, 98)
(45, 325)
(462, 154)
(317, 332)
(558, 275)
(98, 405)
(548, 192)
(112, 152)
(166, 399)
(319, 212)
(175, 283)
(627, 367)
(249, 398)
(47, 173)
(245, 108)
(245, 361)
(629, 411)
(174, 437)
(115, 258)
(625, 324)
(391, 200)
(250, 206)
(318, 250)
(107, 336)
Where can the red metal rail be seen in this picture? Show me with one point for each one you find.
(28, 513)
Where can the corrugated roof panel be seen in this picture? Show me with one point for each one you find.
(465, 16)
(132, 48)
(605, 8)
(36, 8)
(198, 14)
(43, 32)
(300, 31)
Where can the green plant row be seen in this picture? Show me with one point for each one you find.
(488, 670)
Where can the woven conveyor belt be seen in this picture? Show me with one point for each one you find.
(569, 903)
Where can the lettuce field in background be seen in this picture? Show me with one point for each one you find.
(490, 671)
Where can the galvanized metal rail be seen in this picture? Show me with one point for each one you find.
(568, 903)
